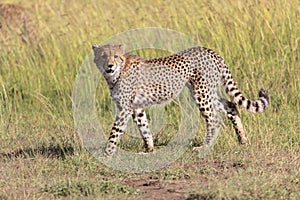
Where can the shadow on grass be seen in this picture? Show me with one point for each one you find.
(201, 196)
(56, 151)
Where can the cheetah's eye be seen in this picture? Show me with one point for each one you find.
(116, 56)
(103, 56)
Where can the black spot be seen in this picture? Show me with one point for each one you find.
(116, 129)
(231, 89)
(237, 94)
(140, 115)
(248, 104)
(112, 136)
(256, 106)
(144, 133)
(240, 102)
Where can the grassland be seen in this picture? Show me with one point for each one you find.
(41, 156)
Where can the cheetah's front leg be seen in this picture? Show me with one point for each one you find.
(116, 132)
(140, 118)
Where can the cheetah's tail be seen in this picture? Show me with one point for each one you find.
(254, 106)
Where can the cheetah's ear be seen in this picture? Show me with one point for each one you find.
(123, 48)
(94, 46)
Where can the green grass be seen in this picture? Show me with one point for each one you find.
(41, 155)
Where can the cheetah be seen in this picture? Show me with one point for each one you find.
(135, 83)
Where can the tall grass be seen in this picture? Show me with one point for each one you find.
(259, 41)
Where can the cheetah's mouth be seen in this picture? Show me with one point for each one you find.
(109, 71)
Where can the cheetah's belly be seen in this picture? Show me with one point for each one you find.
(158, 91)
(156, 84)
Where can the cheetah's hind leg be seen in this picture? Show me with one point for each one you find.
(210, 112)
(234, 116)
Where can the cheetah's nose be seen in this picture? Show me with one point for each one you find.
(110, 66)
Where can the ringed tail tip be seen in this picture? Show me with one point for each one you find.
(264, 94)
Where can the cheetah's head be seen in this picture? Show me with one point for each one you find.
(108, 58)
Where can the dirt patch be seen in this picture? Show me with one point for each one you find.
(158, 189)
(183, 187)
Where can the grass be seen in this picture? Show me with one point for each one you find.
(41, 155)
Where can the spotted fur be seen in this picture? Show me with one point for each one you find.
(135, 83)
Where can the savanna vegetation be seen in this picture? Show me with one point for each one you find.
(41, 155)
